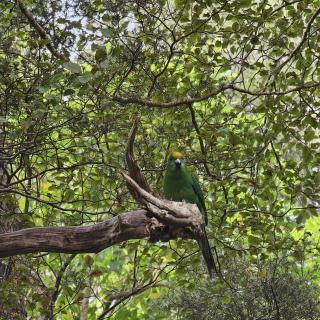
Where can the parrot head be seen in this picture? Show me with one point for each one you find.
(175, 160)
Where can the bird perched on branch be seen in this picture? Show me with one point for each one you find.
(181, 185)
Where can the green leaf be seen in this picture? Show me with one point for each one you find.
(245, 3)
(73, 67)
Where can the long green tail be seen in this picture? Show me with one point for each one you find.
(204, 245)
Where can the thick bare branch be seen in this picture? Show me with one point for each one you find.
(94, 238)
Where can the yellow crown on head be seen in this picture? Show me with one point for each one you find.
(176, 154)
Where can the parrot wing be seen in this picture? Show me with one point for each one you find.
(203, 241)
(197, 190)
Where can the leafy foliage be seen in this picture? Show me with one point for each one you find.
(234, 84)
(266, 290)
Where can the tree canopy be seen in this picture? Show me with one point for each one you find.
(232, 84)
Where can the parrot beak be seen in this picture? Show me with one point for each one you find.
(177, 162)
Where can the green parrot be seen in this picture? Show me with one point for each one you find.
(179, 184)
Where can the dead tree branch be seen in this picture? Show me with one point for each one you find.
(133, 168)
(94, 238)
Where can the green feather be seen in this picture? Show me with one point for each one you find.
(201, 204)
(181, 185)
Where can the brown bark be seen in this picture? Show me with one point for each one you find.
(94, 238)
(133, 168)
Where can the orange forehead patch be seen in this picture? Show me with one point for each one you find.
(176, 155)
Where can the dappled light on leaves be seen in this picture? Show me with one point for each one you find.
(232, 84)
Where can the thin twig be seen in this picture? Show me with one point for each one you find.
(41, 32)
